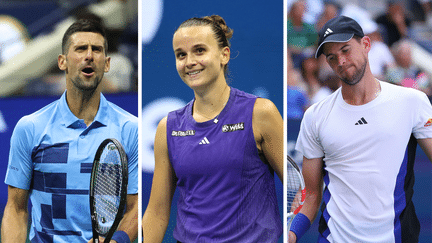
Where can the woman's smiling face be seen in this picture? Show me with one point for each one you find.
(199, 59)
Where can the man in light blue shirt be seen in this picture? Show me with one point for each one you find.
(52, 150)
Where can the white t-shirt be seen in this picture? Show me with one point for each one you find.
(365, 160)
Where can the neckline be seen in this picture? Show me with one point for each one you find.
(217, 117)
(368, 105)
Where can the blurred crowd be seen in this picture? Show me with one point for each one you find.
(309, 80)
(20, 30)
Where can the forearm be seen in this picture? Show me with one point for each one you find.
(309, 209)
(312, 173)
(311, 205)
(154, 226)
(129, 223)
(14, 225)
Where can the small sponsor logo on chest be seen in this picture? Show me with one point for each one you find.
(233, 127)
(362, 121)
(183, 133)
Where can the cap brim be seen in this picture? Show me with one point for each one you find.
(333, 38)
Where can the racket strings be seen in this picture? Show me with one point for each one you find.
(294, 187)
(107, 188)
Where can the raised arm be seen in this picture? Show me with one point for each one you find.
(156, 216)
(313, 176)
(15, 217)
(268, 132)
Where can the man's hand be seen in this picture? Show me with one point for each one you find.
(292, 238)
(101, 240)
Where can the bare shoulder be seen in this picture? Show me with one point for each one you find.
(265, 110)
(265, 104)
(266, 118)
(162, 124)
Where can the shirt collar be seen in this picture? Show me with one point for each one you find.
(102, 114)
(70, 120)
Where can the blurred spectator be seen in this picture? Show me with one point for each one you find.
(331, 10)
(417, 10)
(405, 73)
(119, 78)
(297, 98)
(313, 10)
(395, 22)
(317, 91)
(380, 57)
(426, 7)
(302, 36)
(13, 39)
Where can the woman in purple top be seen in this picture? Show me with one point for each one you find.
(220, 151)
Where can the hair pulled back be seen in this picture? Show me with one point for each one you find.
(221, 31)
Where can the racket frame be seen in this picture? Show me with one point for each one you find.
(293, 164)
(123, 188)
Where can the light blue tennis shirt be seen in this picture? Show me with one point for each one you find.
(51, 155)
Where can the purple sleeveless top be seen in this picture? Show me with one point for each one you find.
(227, 193)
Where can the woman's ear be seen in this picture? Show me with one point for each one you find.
(226, 55)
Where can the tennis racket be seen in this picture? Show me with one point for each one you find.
(108, 188)
(296, 192)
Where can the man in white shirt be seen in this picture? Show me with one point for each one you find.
(360, 141)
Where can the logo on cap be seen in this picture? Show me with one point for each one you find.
(339, 29)
(328, 31)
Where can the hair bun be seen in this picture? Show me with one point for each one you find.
(218, 20)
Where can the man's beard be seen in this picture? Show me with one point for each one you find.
(85, 87)
(358, 75)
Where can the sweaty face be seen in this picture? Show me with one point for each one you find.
(199, 60)
(347, 59)
(85, 61)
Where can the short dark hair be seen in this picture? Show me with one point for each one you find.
(83, 25)
(357, 38)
